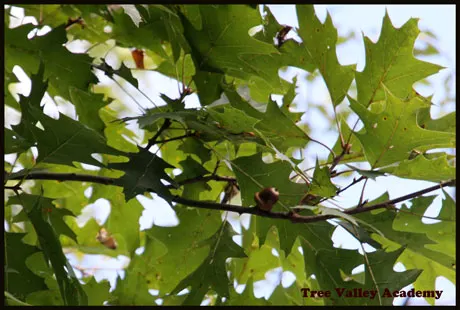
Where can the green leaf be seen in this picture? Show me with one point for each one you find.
(288, 100)
(239, 103)
(356, 151)
(321, 184)
(87, 106)
(371, 174)
(443, 233)
(233, 120)
(417, 242)
(175, 250)
(123, 72)
(13, 301)
(19, 280)
(10, 79)
(45, 298)
(319, 41)
(191, 169)
(143, 173)
(123, 221)
(97, 292)
(390, 62)
(253, 175)
(283, 132)
(360, 233)
(55, 216)
(422, 168)
(182, 70)
(212, 272)
(216, 48)
(63, 140)
(380, 262)
(14, 143)
(63, 69)
(69, 286)
(58, 14)
(115, 131)
(208, 85)
(246, 298)
(147, 35)
(195, 147)
(392, 134)
(446, 123)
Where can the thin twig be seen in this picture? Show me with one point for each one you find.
(336, 174)
(355, 181)
(361, 197)
(369, 266)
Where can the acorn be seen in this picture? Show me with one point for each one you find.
(266, 198)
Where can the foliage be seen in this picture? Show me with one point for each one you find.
(212, 159)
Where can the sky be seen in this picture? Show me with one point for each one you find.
(363, 20)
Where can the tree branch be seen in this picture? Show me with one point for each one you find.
(103, 180)
(292, 216)
(64, 177)
(163, 127)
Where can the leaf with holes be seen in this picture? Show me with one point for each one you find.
(392, 134)
(391, 62)
(435, 169)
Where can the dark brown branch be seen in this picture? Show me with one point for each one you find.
(105, 180)
(64, 177)
(296, 218)
(163, 127)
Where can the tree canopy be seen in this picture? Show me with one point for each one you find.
(212, 163)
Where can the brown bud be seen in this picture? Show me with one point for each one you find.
(106, 239)
(266, 198)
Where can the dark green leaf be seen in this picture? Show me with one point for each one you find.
(63, 69)
(69, 286)
(212, 273)
(143, 173)
(19, 280)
